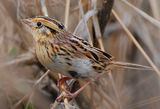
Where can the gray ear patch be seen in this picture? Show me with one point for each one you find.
(42, 30)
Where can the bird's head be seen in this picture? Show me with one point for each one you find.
(43, 27)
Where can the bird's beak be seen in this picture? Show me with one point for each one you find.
(28, 22)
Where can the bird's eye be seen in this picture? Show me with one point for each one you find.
(39, 24)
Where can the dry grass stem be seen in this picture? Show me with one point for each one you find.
(44, 8)
(67, 8)
(97, 30)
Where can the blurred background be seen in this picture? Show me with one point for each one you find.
(120, 89)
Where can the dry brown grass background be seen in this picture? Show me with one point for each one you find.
(120, 89)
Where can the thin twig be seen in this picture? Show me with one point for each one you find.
(136, 43)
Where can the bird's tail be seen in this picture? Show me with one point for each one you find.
(129, 65)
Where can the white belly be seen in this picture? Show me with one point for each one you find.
(83, 67)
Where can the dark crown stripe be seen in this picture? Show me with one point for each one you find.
(52, 30)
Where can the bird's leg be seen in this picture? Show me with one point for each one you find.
(63, 81)
(73, 95)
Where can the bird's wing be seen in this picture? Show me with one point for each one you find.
(91, 52)
(74, 47)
